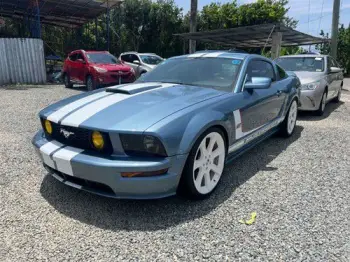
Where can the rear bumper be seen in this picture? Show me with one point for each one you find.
(102, 175)
(310, 99)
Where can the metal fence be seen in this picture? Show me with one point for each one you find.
(22, 61)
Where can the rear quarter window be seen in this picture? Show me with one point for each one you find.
(73, 57)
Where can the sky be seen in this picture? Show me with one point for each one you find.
(299, 9)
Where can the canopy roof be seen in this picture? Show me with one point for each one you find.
(66, 13)
(254, 36)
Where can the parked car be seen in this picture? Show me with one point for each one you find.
(141, 62)
(321, 79)
(173, 130)
(95, 69)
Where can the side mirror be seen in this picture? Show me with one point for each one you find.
(258, 83)
(335, 69)
(81, 61)
(136, 62)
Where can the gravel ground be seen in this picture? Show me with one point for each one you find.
(299, 188)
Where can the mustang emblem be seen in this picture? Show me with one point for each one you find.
(66, 133)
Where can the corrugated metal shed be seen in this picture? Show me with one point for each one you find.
(22, 61)
(67, 13)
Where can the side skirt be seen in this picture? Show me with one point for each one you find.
(233, 155)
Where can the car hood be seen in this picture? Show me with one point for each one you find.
(132, 107)
(308, 77)
(114, 67)
(150, 66)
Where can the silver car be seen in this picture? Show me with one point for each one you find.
(141, 62)
(321, 79)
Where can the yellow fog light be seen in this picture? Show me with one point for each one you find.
(48, 127)
(97, 140)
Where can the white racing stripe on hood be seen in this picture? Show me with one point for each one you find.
(78, 117)
(81, 115)
(56, 116)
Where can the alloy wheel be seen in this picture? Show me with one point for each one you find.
(209, 163)
(292, 117)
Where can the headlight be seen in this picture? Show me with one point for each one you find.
(142, 145)
(311, 86)
(132, 70)
(97, 140)
(48, 127)
(100, 69)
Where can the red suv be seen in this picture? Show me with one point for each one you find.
(95, 69)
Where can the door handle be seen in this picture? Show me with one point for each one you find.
(279, 92)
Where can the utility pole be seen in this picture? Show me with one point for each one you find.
(335, 26)
(193, 25)
(108, 19)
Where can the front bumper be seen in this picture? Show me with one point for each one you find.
(102, 175)
(310, 99)
(113, 78)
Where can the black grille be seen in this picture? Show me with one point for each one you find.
(77, 137)
(122, 76)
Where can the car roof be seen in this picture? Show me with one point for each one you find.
(303, 55)
(136, 53)
(88, 51)
(220, 54)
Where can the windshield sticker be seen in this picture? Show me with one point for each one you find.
(236, 62)
(318, 70)
(318, 58)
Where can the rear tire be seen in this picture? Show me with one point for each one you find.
(289, 122)
(90, 83)
(204, 165)
(67, 82)
(338, 97)
(321, 108)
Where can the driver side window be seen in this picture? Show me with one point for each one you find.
(133, 58)
(80, 56)
(260, 68)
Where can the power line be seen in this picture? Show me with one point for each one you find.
(319, 24)
(308, 18)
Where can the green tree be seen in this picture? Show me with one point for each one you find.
(343, 48)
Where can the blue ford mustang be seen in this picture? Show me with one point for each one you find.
(171, 131)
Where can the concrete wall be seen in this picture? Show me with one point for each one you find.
(22, 61)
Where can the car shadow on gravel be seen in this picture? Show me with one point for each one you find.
(151, 215)
(311, 116)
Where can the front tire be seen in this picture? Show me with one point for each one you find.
(90, 83)
(205, 165)
(289, 122)
(321, 108)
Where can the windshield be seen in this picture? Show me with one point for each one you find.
(102, 58)
(310, 64)
(217, 73)
(151, 59)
